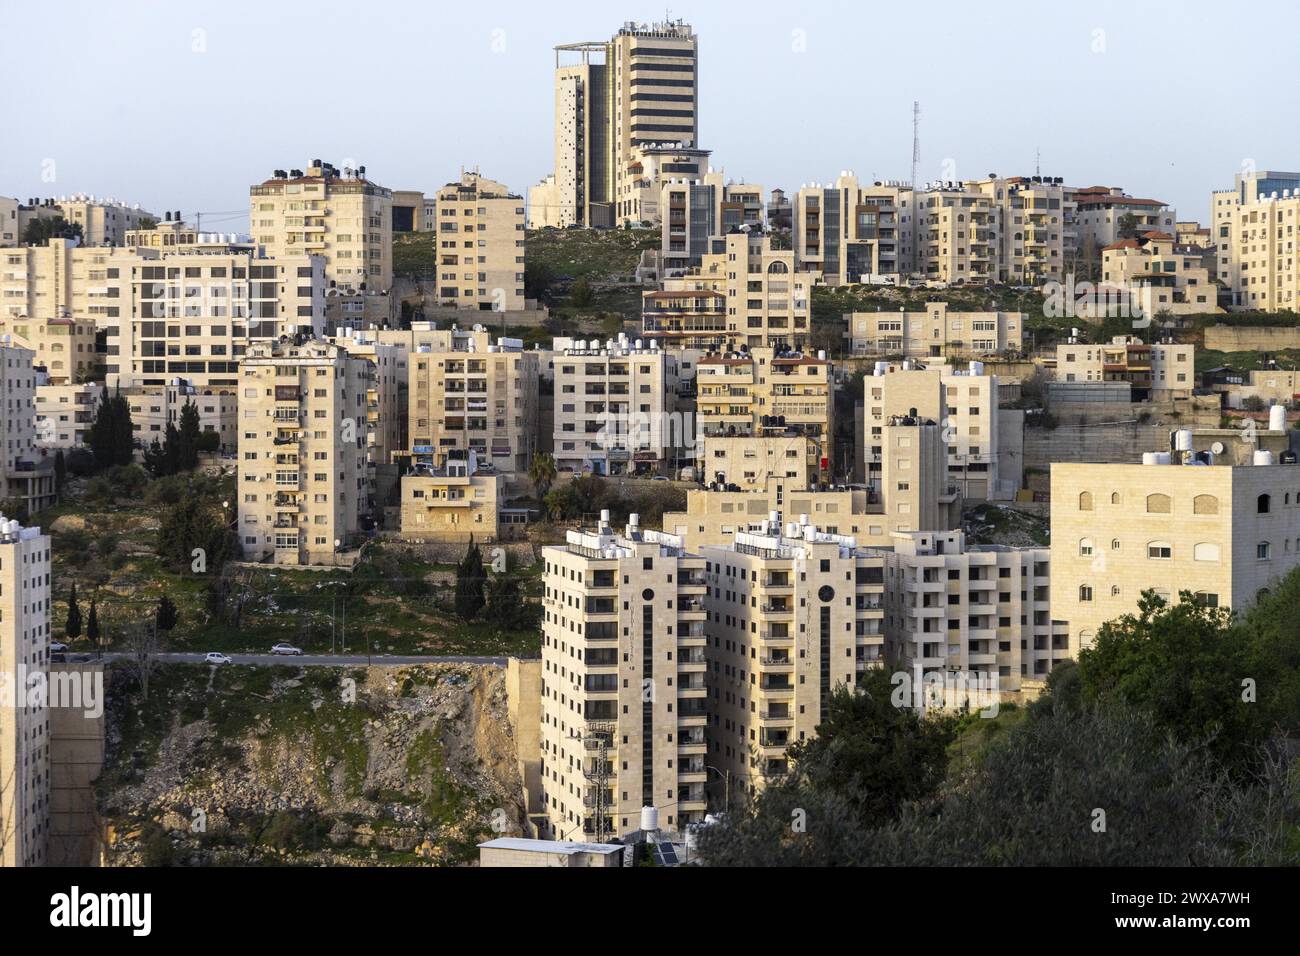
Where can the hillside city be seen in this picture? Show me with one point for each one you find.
(647, 515)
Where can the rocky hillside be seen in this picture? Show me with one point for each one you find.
(307, 765)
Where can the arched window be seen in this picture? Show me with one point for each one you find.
(1085, 547)
(1085, 638)
(1205, 505)
(777, 267)
(1114, 544)
(1264, 551)
(1114, 590)
(1158, 504)
(1205, 551)
(1114, 497)
(1085, 501)
(1160, 550)
(1085, 592)
(1261, 504)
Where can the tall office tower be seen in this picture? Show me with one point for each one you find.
(623, 682)
(636, 90)
(339, 215)
(24, 722)
(303, 441)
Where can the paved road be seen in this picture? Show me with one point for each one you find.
(337, 660)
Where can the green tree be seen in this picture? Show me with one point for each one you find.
(506, 607)
(538, 277)
(72, 627)
(1184, 664)
(92, 624)
(470, 581)
(102, 432)
(187, 453)
(40, 231)
(166, 615)
(542, 472)
(1128, 226)
(195, 523)
(581, 295)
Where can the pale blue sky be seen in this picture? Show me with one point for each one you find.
(1167, 100)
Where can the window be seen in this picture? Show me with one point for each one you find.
(1206, 599)
(1205, 505)
(1158, 504)
(1085, 592)
(1205, 551)
(1261, 504)
(1114, 497)
(1263, 551)
(1114, 544)
(1085, 501)
(1161, 550)
(1114, 590)
(1085, 547)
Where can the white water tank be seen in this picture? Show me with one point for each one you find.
(1262, 458)
(1277, 418)
(650, 819)
(1164, 458)
(1183, 439)
(1149, 458)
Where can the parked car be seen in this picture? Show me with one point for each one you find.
(216, 657)
(58, 647)
(288, 649)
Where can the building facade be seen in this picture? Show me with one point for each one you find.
(479, 252)
(935, 333)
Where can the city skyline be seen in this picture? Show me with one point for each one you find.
(399, 120)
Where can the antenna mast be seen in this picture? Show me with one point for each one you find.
(916, 139)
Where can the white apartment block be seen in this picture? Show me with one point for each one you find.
(190, 313)
(26, 471)
(983, 611)
(794, 613)
(340, 216)
(64, 347)
(24, 722)
(64, 414)
(963, 402)
(1100, 213)
(104, 222)
(935, 333)
(1163, 277)
(154, 408)
(1261, 260)
(624, 702)
(614, 405)
(695, 213)
(479, 256)
(1157, 372)
(302, 468)
(1250, 187)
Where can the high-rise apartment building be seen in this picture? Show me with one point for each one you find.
(846, 231)
(624, 708)
(784, 398)
(26, 471)
(470, 392)
(65, 348)
(302, 463)
(24, 720)
(1260, 265)
(1224, 533)
(614, 404)
(794, 613)
(479, 251)
(1250, 187)
(636, 90)
(340, 216)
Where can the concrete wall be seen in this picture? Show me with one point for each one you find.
(76, 759)
(524, 703)
(1249, 338)
(1093, 443)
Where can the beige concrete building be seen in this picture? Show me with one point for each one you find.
(848, 233)
(104, 222)
(302, 469)
(770, 394)
(387, 397)
(26, 471)
(24, 721)
(1165, 277)
(64, 347)
(1102, 211)
(653, 166)
(515, 851)
(1250, 187)
(64, 414)
(451, 503)
(624, 701)
(341, 216)
(615, 407)
(963, 403)
(1225, 533)
(688, 312)
(162, 314)
(1261, 266)
(935, 333)
(480, 245)
(155, 407)
(696, 215)
(795, 613)
(983, 611)
(613, 99)
(470, 392)
(9, 234)
(1156, 372)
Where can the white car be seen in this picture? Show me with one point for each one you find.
(216, 657)
(58, 647)
(289, 649)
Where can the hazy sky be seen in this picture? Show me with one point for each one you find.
(183, 105)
